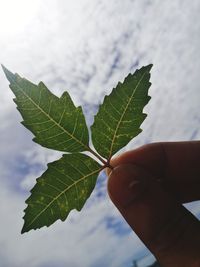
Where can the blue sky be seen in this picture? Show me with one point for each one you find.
(86, 47)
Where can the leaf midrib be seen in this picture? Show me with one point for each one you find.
(46, 114)
(122, 116)
(62, 192)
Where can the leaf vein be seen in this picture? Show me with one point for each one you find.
(123, 114)
(46, 114)
(64, 191)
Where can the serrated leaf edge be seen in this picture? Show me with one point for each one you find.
(7, 72)
(55, 198)
(148, 68)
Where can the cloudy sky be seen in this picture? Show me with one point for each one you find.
(86, 47)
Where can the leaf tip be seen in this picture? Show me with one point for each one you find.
(3, 67)
(149, 67)
(5, 70)
(9, 74)
(24, 230)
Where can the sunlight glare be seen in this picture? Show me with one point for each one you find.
(15, 15)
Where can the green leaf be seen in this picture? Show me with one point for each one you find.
(121, 114)
(58, 124)
(65, 185)
(55, 122)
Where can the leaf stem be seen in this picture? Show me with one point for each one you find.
(106, 164)
(97, 155)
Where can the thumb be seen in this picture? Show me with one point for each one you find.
(170, 231)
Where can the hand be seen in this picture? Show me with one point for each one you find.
(148, 186)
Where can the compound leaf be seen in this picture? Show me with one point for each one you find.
(121, 114)
(65, 185)
(55, 122)
(58, 124)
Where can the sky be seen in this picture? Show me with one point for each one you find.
(86, 47)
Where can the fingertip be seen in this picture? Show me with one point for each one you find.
(125, 185)
(164, 225)
(108, 171)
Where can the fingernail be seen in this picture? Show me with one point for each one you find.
(126, 184)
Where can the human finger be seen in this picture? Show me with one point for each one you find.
(170, 231)
(174, 164)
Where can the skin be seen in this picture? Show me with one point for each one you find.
(148, 186)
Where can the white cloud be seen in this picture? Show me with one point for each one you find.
(80, 240)
(86, 47)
